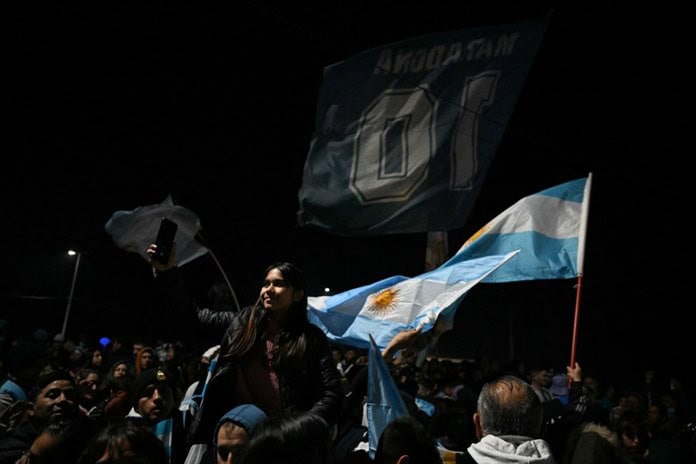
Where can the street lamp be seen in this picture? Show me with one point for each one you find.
(72, 288)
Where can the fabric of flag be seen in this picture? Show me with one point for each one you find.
(548, 228)
(163, 430)
(384, 401)
(389, 306)
(405, 132)
(135, 230)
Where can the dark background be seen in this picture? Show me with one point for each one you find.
(108, 109)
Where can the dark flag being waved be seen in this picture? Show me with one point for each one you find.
(135, 230)
(405, 133)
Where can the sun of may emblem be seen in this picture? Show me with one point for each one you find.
(383, 302)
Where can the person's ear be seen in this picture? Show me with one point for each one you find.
(298, 295)
(477, 425)
(30, 408)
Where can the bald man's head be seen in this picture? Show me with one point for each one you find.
(508, 406)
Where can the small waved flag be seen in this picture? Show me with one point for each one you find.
(548, 228)
(384, 401)
(135, 230)
(397, 303)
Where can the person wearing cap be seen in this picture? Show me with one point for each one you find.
(152, 405)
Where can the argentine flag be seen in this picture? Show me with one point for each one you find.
(397, 303)
(548, 228)
(384, 401)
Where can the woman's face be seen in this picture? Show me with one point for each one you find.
(120, 370)
(97, 358)
(276, 294)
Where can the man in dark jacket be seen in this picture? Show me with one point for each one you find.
(52, 430)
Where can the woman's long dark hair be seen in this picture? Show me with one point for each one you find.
(292, 340)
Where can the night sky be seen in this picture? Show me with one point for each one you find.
(111, 109)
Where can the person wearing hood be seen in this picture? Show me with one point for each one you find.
(233, 433)
(508, 424)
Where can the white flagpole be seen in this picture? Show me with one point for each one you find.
(72, 291)
(583, 225)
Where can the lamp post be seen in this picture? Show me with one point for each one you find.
(72, 289)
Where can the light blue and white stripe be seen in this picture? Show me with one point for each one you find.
(389, 306)
(548, 228)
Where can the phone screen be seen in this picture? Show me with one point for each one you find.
(165, 239)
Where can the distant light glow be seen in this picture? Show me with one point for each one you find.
(327, 289)
(104, 341)
(72, 252)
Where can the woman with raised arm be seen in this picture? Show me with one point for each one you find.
(270, 355)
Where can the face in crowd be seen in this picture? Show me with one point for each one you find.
(277, 295)
(120, 370)
(147, 359)
(88, 387)
(231, 442)
(55, 402)
(155, 403)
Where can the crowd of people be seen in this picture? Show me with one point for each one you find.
(273, 389)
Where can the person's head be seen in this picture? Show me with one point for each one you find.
(172, 352)
(631, 400)
(234, 430)
(350, 355)
(97, 358)
(147, 358)
(120, 369)
(53, 398)
(298, 438)
(633, 432)
(406, 441)
(87, 386)
(123, 442)
(77, 357)
(540, 377)
(508, 406)
(152, 396)
(283, 292)
(137, 346)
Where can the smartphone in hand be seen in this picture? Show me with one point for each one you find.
(165, 239)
